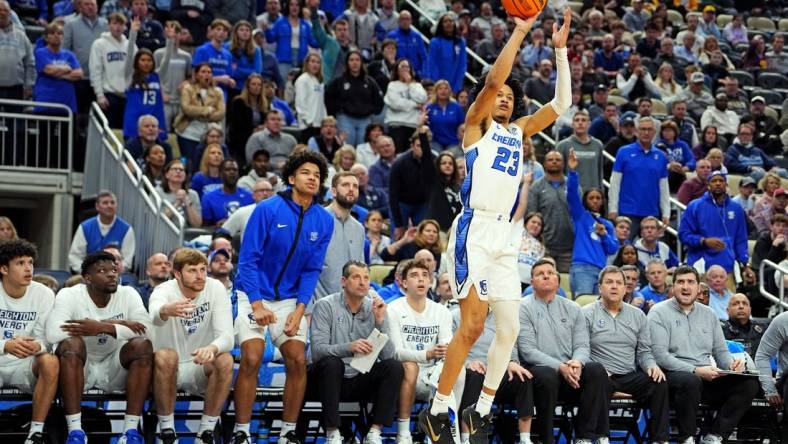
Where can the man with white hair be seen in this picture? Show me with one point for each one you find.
(236, 223)
(147, 135)
(686, 50)
(719, 295)
(369, 197)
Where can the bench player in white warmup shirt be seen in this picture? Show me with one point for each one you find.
(193, 334)
(99, 330)
(25, 362)
(420, 331)
(482, 260)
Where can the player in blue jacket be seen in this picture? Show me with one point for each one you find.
(282, 255)
(595, 237)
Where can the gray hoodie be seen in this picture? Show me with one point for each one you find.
(773, 342)
(682, 342)
(334, 327)
(621, 343)
(551, 333)
(18, 65)
(551, 202)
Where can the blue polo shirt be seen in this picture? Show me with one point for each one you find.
(444, 122)
(641, 172)
(221, 60)
(218, 205)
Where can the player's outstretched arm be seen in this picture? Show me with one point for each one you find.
(499, 72)
(563, 86)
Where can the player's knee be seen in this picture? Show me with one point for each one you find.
(468, 333)
(251, 355)
(595, 371)
(330, 366)
(48, 367)
(141, 349)
(166, 360)
(72, 348)
(224, 364)
(295, 363)
(410, 373)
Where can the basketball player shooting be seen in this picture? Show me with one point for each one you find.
(482, 259)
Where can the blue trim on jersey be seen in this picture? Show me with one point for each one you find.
(460, 249)
(465, 189)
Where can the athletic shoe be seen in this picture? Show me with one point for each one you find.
(240, 437)
(334, 439)
(132, 436)
(77, 437)
(603, 440)
(437, 427)
(289, 438)
(36, 438)
(206, 437)
(373, 438)
(404, 439)
(711, 439)
(478, 425)
(168, 436)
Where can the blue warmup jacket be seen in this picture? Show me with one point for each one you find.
(704, 218)
(283, 250)
(589, 247)
(679, 151)
(244, 66)
(447, 59)
(280, 34)
(411, 47)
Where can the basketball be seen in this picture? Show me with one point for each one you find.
(523, 8)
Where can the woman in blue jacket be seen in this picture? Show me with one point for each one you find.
(445, 116)
(595, 238)
(281, 33)
(447, 58)
(247, 57)
(679, 154)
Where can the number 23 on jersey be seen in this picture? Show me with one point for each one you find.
(507, 161)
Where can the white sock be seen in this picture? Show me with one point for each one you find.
(287, 427)
(525, 437)
(242, 428)
(440, 404)
(403, 426)
(74, 422)
(131, 422)
(36, 427)
(207, 423)
(167, 421)
(484, 404)
(333, 434)
(465, 436)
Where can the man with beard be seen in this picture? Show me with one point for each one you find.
(548, 196)
(220, 203)
(621, 341)
(99, 331)
(685, 335)
(282, 255)
(347, 240)
(158, 269)
(192, 322)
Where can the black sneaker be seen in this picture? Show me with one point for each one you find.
(36, 438)
(205, 437)
(289, 438)
(168, 436)
(240, 437)
(437, 427)
(478, 425)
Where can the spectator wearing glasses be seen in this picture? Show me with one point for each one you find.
(174, 189)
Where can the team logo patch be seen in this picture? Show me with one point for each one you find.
(313, 236)
(102, 339)
(563, 320)
(483, 287)
(758, 328)
(731, 215)
(8, 334)
(340, 319)
(601, 323)
(419, 346)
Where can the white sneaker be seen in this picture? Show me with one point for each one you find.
(404, 439)
(527, 441)
(373, 438)
(711, 439)
(603, 440)
(334, 439)
(206, 437)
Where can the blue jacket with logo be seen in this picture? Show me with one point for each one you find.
(704, 218)
(590, 248)
(283, 249)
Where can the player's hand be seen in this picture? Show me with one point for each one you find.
(437, 352)
(360, 347)
(293, 322)
(525, 24)
(137, 327)
(715, 243)
(478, 367)
(571, 160)
(84, 327)
(528, 178)
(204, 355)
(656, 374)
(738, 365)
(21, 346)
(379, 309)
(262, 315)
(775, 400)
(778, 240)
(560, 36)
(707, 373)
(178, 309)
(515, 370)
(568, 374)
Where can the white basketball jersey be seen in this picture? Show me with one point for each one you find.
(494, 166)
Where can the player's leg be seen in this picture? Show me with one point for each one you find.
(45, 368)
(407, 396)
(328, 376)
(294, 354)
(379, 386)
(136, 356)
(219, 374)
(73, 358)
(246, 383)
(165, 377)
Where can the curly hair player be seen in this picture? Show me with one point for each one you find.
(482, 261)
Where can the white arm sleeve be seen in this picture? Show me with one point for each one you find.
(664, 197)
(563, 83)
(615, 187)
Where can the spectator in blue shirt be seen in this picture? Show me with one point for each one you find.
(270, 69)
(220, 203)
(215, 55)
(207, 178)
(448, 57)
(605, 127)
(281, 33)
(379, 171)
(151, 33)
(247, 58)
(57, 70)
(607, 58)
(536, 51)
(444, 117)
(657, 288)
(409, 43)
(679, 154)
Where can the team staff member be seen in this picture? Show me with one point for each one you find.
(685, 334)
(282, 254)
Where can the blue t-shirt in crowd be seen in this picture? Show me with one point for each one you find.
(445, 121)
(203, 184)
(641, 171)
(218, 205)
(51, 89)
(221, 60)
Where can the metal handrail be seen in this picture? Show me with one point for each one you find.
(777, 300)
(67, 117)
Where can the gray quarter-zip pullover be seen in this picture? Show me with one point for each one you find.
(621, 343)
(551, 333)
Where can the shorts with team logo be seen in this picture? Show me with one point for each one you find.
(19, 375)
(481, 254)
(192, 378)
(246, 328)
(107, 374)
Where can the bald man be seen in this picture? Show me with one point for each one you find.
(158, 269)
(740, 327)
